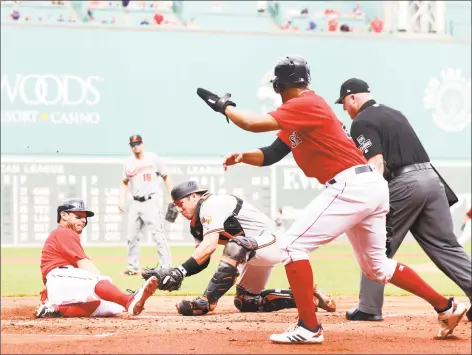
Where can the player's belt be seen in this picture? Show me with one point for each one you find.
(142, 198)
(407, 169)
(357, 170)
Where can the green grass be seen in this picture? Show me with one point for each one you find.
(337, 276)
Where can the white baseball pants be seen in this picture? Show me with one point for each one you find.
(357, 204)
(68, 285)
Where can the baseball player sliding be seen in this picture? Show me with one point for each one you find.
(355, 200)
(251, 250)
(74, 285)
(141, 172)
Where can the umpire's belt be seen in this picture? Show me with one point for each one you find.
(357, 170)
(407, 169)
(142, 198)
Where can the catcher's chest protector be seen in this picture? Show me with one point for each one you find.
(231, 225)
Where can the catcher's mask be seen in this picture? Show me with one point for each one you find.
(290, 72)
(73, 205)
(185, 188)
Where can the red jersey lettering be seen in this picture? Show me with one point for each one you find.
(61, 248)
(318, 141)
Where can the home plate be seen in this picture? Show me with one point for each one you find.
(82, 335)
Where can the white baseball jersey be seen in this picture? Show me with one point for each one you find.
(143, 174)
(217, 208)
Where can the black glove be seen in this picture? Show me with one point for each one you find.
(172, 213)
(218, 104)
(169, 278)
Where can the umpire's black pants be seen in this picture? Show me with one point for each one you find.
(418, 204)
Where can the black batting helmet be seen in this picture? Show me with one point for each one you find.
(73, 205)
(291, 71)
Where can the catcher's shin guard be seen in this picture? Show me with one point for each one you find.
(223, 279)
(267, 301)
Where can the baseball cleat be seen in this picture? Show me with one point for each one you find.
(357, 315)
(298, 334)
(450, 318)
(136, 306)
(47, 311)
(130, 273)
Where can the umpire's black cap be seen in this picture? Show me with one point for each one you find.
(352, 86)
(185, 188)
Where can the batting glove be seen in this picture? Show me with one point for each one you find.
(217, 103)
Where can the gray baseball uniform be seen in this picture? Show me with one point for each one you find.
(144, 210)
(255, 273)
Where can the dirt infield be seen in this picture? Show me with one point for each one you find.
(409, 327)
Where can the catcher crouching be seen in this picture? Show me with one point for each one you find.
(251, 252)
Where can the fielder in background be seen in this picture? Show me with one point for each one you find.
(466, 232)
(251, 250)
(420, 199)
(74, 285)
(355, 201)
(141, 172)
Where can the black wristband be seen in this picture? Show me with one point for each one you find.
(192, 267)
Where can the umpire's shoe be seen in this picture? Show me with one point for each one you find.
(469, 313)
(356, 314)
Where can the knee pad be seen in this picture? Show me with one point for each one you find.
(240, 249)
(223, 279)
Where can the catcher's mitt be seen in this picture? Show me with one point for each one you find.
(172, 213)
(168, 278)
(324, 301)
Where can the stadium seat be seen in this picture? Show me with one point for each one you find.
(291, 12)
(37, 11)
(228, 15)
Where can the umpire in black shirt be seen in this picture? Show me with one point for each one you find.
(418, 201)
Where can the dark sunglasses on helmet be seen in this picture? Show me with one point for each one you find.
(134, 144)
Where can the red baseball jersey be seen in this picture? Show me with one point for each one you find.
(320, 145)
(61, 248)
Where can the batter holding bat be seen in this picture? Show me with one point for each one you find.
(355, 200)
(251, 251)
